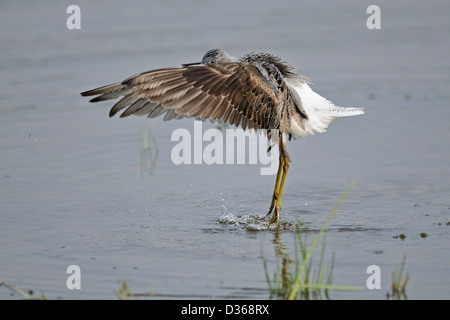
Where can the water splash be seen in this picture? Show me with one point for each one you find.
(240, 216)
(253, 222)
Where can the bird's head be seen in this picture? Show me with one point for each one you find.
(215, 56)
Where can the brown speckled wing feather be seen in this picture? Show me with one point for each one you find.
(235, 93)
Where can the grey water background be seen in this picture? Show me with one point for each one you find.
(79, 188)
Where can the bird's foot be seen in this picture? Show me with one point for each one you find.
(275, 216)
(272, 205)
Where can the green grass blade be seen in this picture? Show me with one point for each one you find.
(298, 283)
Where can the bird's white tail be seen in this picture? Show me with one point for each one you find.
(320, 111)
(340, 112)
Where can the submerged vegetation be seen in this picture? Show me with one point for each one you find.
(25, 295)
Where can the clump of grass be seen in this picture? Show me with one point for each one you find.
(149, 150)
(309, 283)
(399, 281)
(304, 282)
(124, 292)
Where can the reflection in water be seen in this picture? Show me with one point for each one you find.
(149, 150)
(280, 285)
(285, 272)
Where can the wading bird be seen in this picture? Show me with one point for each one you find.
(258, 91)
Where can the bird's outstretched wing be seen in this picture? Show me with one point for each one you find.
(235, 93)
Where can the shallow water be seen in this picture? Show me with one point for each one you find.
(80, 188)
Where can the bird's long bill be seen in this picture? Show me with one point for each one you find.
(190, 64)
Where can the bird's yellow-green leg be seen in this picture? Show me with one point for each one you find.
(277, 185)
(276, 214)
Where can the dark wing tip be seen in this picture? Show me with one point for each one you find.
(87, 93)
(111, 91)
(91, 93)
